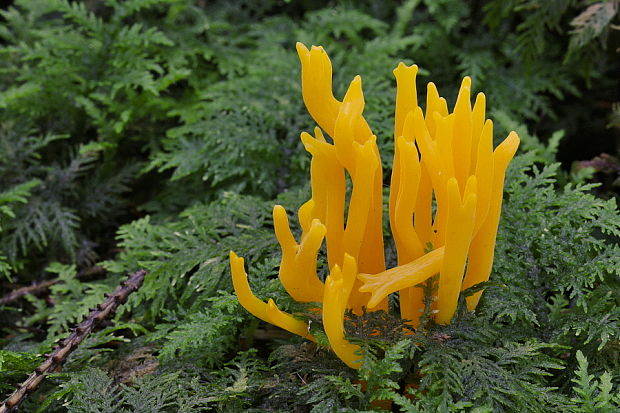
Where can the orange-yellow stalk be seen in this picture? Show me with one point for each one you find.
(265, 311)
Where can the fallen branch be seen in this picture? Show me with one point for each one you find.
(38, 288)
(78, 334)
(31, 289)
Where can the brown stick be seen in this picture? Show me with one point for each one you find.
(44, 285)
(78, 334)
(31, 289)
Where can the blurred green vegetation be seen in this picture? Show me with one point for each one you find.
(158, 134)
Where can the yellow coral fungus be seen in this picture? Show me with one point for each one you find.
(441, 158)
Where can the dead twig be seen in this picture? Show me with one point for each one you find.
(31, 289)
(78, 334)
(38, 288)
